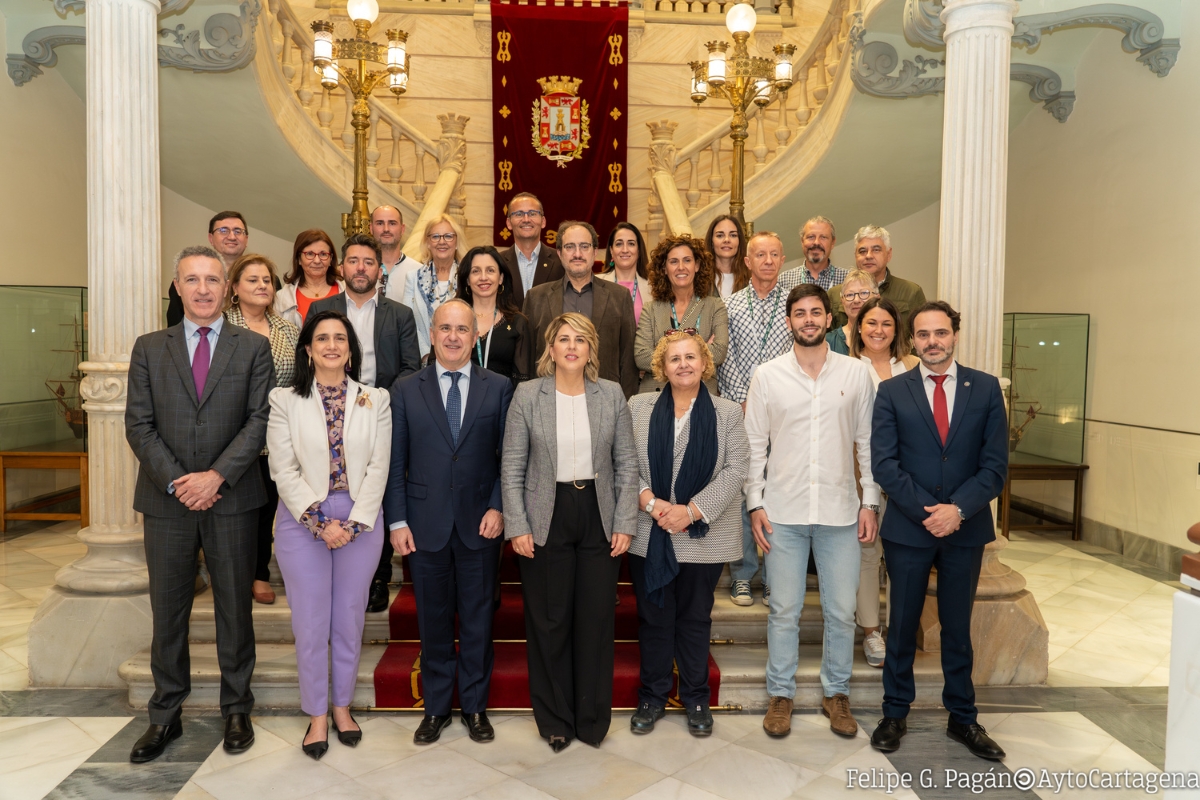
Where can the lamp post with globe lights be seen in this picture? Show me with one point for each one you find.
(348, 60)
(741, 79)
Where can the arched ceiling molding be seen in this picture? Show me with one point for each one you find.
(874, 62)
(230, 40)
(1143, 29)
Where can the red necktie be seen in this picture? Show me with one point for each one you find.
(941, 416)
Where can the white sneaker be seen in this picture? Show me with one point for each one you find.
(766, 595)
(739, 593)
(874, 649)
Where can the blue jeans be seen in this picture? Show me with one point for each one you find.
(745, 568)
(838, 554)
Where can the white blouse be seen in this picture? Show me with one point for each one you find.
(726, 284)
(898, 368)
(574, 438)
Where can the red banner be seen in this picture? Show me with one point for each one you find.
(560, 102)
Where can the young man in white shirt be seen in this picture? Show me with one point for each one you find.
(387, 226)
(807, 412)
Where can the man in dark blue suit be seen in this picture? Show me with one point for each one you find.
(443, 509)
(939, 450)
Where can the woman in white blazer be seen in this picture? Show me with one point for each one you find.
(330, 444)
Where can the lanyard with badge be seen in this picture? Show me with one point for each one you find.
(762, 345)
(485, 354)
(675, 320)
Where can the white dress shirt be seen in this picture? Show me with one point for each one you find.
(363, 319)
(191, 332)
(397, 276)
(898, 368)
(528, 266)
(950, 384)
(803, 434)
(574, 438)
(444, 382)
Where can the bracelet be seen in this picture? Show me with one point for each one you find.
(688, 508)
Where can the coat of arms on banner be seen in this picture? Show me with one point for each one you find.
(560, 120)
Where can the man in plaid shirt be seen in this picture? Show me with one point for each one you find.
(758, 332)
(818, 237)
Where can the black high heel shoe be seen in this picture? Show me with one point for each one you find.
(314, 750)
(348, 738)
(559, 743)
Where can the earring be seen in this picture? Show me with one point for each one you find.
(235, 300)
(311, 366)
(349, 360)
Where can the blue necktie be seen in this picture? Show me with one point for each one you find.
(454, 406)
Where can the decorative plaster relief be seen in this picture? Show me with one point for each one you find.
(873, 63)
(231, 39)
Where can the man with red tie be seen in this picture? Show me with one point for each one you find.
(939, 450)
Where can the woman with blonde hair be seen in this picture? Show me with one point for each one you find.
(681, 277)
(857, 289)
(435, 282)
(569, 476)
(693, 455)
(251, 305)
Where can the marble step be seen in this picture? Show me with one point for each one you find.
(748, 624)
(273, 623)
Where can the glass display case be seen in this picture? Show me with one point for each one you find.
(43, 330)
(1045, 358)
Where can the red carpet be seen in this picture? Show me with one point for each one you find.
(398, 674)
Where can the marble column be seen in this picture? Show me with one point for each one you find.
(98, 614)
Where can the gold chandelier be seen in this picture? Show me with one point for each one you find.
(741, 79)
(348, 60)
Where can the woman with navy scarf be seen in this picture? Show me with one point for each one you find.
(692, 458)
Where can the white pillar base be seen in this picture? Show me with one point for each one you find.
(1183, 694)
(82, 640)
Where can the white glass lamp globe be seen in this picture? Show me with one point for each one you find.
(741, 19)
(364, 10)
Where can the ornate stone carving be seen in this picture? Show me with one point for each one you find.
(1160, 58)
(1045, 87)
(102, 388)
(38, 51)
(452, 147)
(65, 6)
(662, 146)
(232, 40)
(923, 23)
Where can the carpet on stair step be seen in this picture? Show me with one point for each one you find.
(509, 622)
(398, 677)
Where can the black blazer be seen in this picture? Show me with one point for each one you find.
(396, 351)
(549, 268)
(434, 485)
(172, 432)
(911, 465)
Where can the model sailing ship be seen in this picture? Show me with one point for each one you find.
(66, 390)
(1018, 421)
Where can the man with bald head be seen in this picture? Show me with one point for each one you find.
(444, 511)
(607, 304)
(758, 332)
(387, 226)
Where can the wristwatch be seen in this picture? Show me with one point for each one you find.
(961, 515)
(871, 507)
(650, 505)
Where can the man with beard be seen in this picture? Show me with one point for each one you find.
(387, 334)
(807, 417)
(607, 304)
(387, 226)
(872, 254)
(939, 448)
(818, 237)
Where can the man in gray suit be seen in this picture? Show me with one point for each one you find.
(387, 333)
(196, 419)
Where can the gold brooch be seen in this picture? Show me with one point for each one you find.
(364, 400)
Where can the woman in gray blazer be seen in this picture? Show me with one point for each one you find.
(681, 279)
(569, 477)
(693, 455)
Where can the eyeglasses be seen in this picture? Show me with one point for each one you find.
(227, 231)
(583, 247)
(864, 296)
(442, 237)
(308, 255)
(681, 332)
(531, 214)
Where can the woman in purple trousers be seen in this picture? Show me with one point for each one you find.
(330, 440)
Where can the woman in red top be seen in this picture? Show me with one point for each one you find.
(314, 276)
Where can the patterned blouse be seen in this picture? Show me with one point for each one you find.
(333, 398)
(283, 338)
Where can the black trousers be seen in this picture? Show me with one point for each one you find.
(569, 586)
(172, 544)
(676, 634)
(384, 571)
(958, 575)
(266, 524)
(456, 579)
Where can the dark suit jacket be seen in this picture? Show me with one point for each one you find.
(396, 351)
(173, 433)
(434, 485)
(911, 465)
(612, 314)
(549, 268)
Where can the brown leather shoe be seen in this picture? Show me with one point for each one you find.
(263, 593)
(841, 721)
(778, 721)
